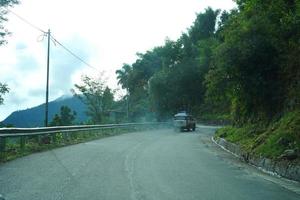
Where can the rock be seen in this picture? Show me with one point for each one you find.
(245, 156)
(269, 164)
(281, 168)
(289, 154)
(293, 172)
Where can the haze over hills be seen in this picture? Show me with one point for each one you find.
(34, 117)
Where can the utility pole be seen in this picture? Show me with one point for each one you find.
(47, 83)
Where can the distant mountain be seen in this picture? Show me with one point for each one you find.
(34, 117)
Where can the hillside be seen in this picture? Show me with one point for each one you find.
(34, 117)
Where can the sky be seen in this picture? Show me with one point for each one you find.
(104, 33)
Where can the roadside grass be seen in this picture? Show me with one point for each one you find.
(267, 140)
(44, 143)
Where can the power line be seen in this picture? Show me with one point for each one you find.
(73, 54)
(54, 39)
(26, 21)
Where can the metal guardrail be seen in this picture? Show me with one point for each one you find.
(16, 132)
(22, 133)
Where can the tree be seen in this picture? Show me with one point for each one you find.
(3, 32)
(107, 100)
(179, 85)
(135, 78)
(123, 76)
(170, 77)
(256, 65)
(65, 118)
(56, 121)
(204, 25)
(4, 4)
(97, 97)
(3, 89)
(245, 64)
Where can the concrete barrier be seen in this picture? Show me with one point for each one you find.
(283, 168)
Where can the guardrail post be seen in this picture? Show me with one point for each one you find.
(38, 139)
(113, 131)
(22, 143)
(2, 148)
(66, 137)
(54, 138)
(101, 132)
(74, 136)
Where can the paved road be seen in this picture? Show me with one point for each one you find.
(150, 165)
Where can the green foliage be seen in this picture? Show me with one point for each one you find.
(107, 99)
(134, 78)
(3, 32)
(244, 136)
(204, 25)
(123, 76)
(91, 93)
(214, 119)
(3, 5)
(3, 89)
(242, 64)
(56, 121)
(97, 97)
(250, 72)
(268, 140)
(281, 135)
(249, 61)
(65, 118)
(170, 77)
(3, 125)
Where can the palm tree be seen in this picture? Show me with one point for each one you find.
(123, 76)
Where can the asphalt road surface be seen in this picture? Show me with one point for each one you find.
(150, 165)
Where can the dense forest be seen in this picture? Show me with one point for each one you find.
(241, 65)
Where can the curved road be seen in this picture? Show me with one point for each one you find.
(150, 165)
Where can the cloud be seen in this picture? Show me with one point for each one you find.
(63, 65)
(15, 99)
(25, 71)
(26, 62)
(39, 92)
(21, 46)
